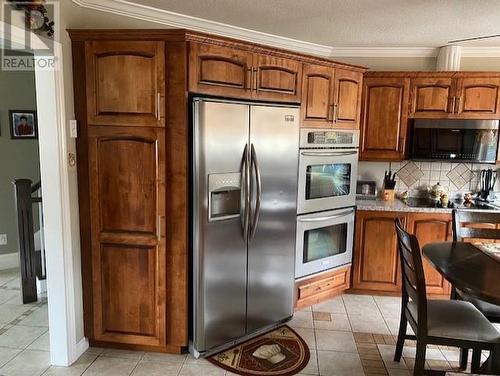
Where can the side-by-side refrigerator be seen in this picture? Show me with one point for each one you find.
(244, 187)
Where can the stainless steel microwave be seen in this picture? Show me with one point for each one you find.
(455, 140)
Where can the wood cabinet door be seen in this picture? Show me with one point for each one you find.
(347, 97)
(276, 78)
(478, 98)
(317, 96)
(220, 70)
(431, 97)
(429, 228)
(125, 83)
(376, 259)
(384, 119)
(127, 196)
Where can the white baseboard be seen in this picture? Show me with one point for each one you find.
(80, 348)
(9, 261)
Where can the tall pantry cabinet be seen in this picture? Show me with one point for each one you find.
(133, 254)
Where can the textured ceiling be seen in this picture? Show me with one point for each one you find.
(352, 23)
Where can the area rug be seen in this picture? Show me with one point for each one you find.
(279, 352)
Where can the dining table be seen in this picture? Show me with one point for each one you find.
(475, 270)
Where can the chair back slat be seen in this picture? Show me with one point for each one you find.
(413, 273)
(474, 224)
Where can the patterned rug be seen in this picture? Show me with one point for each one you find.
(279, 352)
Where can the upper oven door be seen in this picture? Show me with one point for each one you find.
(324, 241)
(327, 179)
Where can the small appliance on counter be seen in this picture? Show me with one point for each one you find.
(366, 190)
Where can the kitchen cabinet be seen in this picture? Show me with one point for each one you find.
(132, 91)
(321, 287)
(429, 228)
(276, 78)
(478, 98)
(376, 264)
(455, 96)
(231, 72)
(125, 83)
(384, 124)
(347, 98)
(220, 70)
(331, 97)
(432, 97)
(127, 195)
(317, 96)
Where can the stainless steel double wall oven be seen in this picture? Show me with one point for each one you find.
(328, 161)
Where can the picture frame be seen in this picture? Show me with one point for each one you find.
(23, 124)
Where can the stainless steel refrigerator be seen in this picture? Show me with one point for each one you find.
(244, 186)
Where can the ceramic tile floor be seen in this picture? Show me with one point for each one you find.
(348, 336)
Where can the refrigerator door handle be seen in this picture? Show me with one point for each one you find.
(258, 180)
(245, 191)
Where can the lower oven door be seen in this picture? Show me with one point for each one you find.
(324, 241)
(327, 179)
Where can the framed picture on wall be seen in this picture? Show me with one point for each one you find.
(23, 124)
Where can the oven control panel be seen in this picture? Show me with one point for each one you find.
(328, 138)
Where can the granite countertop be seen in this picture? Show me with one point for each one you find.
(396, 206)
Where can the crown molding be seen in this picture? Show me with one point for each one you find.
(172, 19)
(483, 51)
(177, 20)
(385, 52)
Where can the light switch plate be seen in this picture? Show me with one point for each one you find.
(3, 239)
(73, 129)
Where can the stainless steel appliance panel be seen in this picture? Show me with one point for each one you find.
(324, 241)
(274, 144)
(327, 179)
(221, 132)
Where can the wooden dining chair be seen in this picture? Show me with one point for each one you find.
(436, 322)
(475, 222)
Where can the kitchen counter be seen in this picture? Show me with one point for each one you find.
(396, 206)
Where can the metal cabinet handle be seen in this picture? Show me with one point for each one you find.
(245, 184)
(330, 114)
(256, 78)
(335, 112)
(158, 100)
(456, 107)
(255, 166)
(249, 81)
(327, 154)
(160, 224)
(327, 218)
(451, 105)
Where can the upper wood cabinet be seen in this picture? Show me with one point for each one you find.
(432, 97)
(478, 97)
(125, 83)
(317, 95)
(230, 72)
(376, 260)
(127, 198)
(276, 78)
(347, 98)
(330, 97)
(220, 70)
(384, 118)
(428, 228)
(455, 96)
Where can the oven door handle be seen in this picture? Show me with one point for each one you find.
(328, 153)
(322, 219)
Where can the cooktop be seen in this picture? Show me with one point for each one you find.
(417, 202)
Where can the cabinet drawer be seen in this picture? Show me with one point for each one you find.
(319, 288)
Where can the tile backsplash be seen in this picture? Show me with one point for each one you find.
(415, 177)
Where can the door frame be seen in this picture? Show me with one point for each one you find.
(64, 288)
